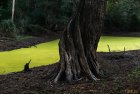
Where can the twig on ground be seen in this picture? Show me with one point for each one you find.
(26, 67)
(109, 48)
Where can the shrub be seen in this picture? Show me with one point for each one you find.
(135, 23)
(121, 15)
(7, 29)
(36, 30)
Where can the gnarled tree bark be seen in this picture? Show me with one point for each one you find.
(79, 42)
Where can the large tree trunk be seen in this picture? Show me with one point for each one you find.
(79, 43)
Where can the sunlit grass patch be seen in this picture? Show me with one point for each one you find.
(44, 54)
(118, 43)
(47, 53)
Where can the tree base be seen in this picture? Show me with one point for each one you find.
(79, 42)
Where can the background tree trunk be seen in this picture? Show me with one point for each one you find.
(13, 10)
(79, 42)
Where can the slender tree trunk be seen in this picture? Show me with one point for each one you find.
(13, 10)
(79, 42)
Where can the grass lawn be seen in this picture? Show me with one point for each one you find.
(118, 43)
(47, 53)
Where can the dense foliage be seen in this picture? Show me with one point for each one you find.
(4, 9)
(7, 29)
(46, 13)
(123, 15)
(31, 15)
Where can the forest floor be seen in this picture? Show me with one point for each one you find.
(7, 44)
(122, 71)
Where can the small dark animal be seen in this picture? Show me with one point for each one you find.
(26, 67)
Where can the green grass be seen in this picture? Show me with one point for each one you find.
(47, 53)
(44, 54)
(118, 43)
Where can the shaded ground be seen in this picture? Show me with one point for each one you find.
(7, 44)
(122, 34)
(122, 71)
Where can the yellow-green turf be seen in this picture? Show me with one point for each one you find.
(47, 53)
(118, 43)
